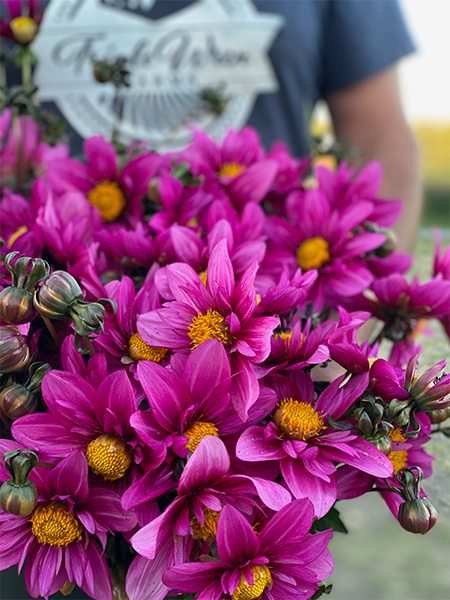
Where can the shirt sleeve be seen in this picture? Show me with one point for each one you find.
(361, 37)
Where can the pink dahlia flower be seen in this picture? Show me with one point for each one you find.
(302, 438)
(59, 538)
(282, 562)
(116, 192)
(319, 236)
(221, 310)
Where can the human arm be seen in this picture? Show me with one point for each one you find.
(369, 114)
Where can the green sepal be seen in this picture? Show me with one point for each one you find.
(323, 589)
(37, 372)
(19, 464)
(39, 271)
(341, 426)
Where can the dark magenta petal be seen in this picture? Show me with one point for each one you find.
(209, 462)
(220, 273)
(236, 541)
(244, 386)
(116, 394)
(69, 478)
(253, 184)
(367, 458)
(352, 482)
(193, 577)
(106, 508)
(252, 446)
(291, 523)
(102, 158)
(208, 376)
(304, 485)
(153, 484)
(144, 578)
(167, 394)
(97, 582)
(44, 433)
(44, 573)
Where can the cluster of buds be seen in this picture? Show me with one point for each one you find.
(416, 514)
(16, 300)
(369, 416)
(60, 297)
(115, 72)
(18, 495)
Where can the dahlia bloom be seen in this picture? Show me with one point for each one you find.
(283, 561)
(220, 310)
(427, 392)
(204, 488)
(238, 164)
(58, 539)
(318, 236)
(17, 224)
(441, 266)
(304, 441)
(116, 192)
(95, 421)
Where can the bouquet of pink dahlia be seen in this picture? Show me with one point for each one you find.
(184, 397)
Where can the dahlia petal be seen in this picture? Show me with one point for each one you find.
(97, 581)
(152, 485)
(254, 183)
(244, 386)
(257, 332)
(360, 244)
(144, 578)
(304, 485)
(116, 394)
(102, 158)
(252, 446)
(209, 462)
(44, 433)
(193, 577)
(208, 376)
(368, 458)
(167, 394)
(272, 494)
(352, 482)
(220, 272)
(12, 542)
(68, 174)
(221, 230)
(351, 280)
(105, 506)
(244, 297)
(182, 277)
(188, 246)
(69, 477)
(334, 401)
(291, 523)
(236, 540)
(155, 328)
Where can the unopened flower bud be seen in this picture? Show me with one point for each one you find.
(16, 306)
(87, 318)
(154, 192)
(417, 516)
(58, 292)
(14, 353)
(389, 245)
(439, 416)
(18, 495)
(17, 401)
(383, 444)
(24, 29)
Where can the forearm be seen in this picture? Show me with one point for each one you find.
(369, 115)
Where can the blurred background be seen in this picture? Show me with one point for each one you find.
(378, 560)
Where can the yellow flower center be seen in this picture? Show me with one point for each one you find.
(24, 29)
(231, 170)
(397, 457)
(247, 591)
(16, 235)
(108, 456)
(209, 527)
(207, 327)
(192, 222)
(138, 350)
(109, 199)
(197, 431)
(54, 525)
(203, 275)
(313, 253)
(286, 336)
(298, 420)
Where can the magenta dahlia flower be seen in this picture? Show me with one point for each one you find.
(302, 438)
(282, 562)
(441, 266)
(220, 310)
(238, 164)
(116, 192)
(59, 538)
(204, 488)
(318, 236)
(95, 421)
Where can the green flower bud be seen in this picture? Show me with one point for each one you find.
(14, 353)
(58, 292)
(389, 245)
(18, 495)
(17, 401)
(383, 444)
(16, 306)
(417, 516)
(439, 416)
(154, 192)
(87, 317)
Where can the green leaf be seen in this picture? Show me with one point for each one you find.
(330, 521)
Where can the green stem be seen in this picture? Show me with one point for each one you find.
(26, 72)
(52, 331)
(87, 341)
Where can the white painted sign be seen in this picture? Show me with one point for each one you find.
(210, 44)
